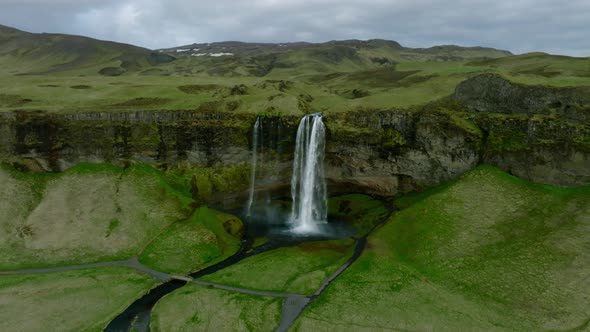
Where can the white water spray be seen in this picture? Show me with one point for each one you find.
(308, 184)
(253, 163)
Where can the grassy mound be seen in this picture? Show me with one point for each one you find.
(487, 252)
(207, 237)
(95, 212)
(88, 213)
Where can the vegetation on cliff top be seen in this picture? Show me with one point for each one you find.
(291, 79)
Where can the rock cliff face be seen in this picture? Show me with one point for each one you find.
(542, 133)
(55, 142)
(490, 93)
(386, 152)
(545, 138)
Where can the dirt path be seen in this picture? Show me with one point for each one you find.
(162, 276)
(132, 262)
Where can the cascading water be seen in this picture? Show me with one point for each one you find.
(254, 161)
(308, 185)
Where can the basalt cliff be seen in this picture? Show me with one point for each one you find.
(535, 132)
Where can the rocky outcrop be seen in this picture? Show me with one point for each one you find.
(542, 133)
(387, 152)
(58, 141)
(493, 93)
(377, 152)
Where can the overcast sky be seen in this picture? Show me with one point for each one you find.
(553, 26)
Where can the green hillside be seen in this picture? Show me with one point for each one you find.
(488, 252)
(24, 53)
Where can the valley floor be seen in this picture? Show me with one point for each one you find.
(486, 252)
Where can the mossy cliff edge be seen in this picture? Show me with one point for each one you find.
(535, 132)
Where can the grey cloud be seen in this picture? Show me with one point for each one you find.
(519, 26)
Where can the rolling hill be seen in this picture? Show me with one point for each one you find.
(24, 53)
(66, 73)
(293, 59)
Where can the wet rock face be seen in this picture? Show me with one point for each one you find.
(58, 141)
(375, 152)
(541, 149)
(395, 152)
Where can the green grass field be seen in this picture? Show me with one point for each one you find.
(300, 269)
(83, 300)
(427, 82)
(486, 252)
(197, 308)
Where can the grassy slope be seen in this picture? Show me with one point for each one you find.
(83, 300)
(488, 252)
(89, 213)
(190, 245)
(196, 308)
(99, 212)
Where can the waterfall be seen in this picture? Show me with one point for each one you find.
(308, 185)
(255, 135)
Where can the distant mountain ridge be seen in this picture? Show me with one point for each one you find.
(246, 48)
(25, 53)
(44, 53)
(233, 58)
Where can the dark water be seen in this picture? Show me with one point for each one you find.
(137, 314)
(281, 232)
